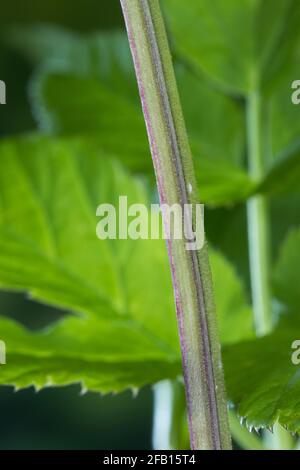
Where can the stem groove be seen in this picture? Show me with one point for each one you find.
(200, 346)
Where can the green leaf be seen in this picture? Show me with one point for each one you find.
(262, 381)
(287, 271)
(230, 41)
(123, 330)
(281, 117)
(281, 112)
(284, 175)
(234, 314)
(285, 216)
(73, 106)
(222, 183)
(217, 143)
(100, 356)
(233, 46)
(87, 87)
(214, 121)
(106, 57)
(85, 73)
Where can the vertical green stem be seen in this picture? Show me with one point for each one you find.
(200, 346)
(259, 242)
(169, 422)
(258, 223)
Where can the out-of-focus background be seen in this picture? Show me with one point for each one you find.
(65, 80)
(58, 418)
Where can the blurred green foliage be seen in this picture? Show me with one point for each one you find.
(58, 419)
(70, 79)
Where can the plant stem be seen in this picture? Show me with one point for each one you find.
(200, 346)
(169, 421)
(258, 223)
(259, 242)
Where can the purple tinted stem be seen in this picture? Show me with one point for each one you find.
(173, 163)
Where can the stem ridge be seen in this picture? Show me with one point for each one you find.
(174, 170)
(166, 108)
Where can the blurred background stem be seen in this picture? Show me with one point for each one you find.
(245, 439)
(170, 430)
(259, 246)
(258, 226)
